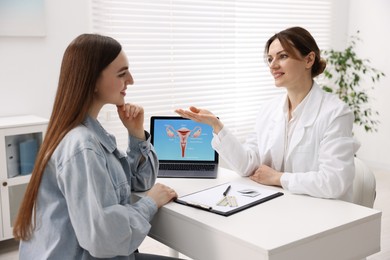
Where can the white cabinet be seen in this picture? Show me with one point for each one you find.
(20, 139)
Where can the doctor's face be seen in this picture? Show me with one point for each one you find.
(287, 71)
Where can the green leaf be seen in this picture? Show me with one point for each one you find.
(327, 89)
(345, 74)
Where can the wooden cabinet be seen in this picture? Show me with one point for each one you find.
(20, 140)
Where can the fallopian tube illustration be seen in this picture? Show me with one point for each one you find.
(183, 133)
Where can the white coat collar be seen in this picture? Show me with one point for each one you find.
(309, 115)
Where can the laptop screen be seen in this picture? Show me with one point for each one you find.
(179, 139)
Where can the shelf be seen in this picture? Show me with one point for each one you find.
(18, 121)
(18, 180)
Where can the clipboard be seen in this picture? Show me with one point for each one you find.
(245, 196)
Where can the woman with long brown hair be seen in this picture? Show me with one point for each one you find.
(77, 204)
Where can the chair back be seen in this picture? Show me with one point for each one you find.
(364, 185)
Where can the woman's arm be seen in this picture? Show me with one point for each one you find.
(103, 227)
(143, 162)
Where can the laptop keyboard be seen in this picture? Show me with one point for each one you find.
(187, 167)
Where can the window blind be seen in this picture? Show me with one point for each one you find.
(206, 53)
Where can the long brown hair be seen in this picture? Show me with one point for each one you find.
(300, 39)
(83, 61)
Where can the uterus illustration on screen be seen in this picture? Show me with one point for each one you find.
(183, 133)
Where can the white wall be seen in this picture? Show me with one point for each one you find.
(372, 19)
(29, 67)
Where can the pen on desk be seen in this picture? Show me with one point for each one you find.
(226, 191)
(198, 205)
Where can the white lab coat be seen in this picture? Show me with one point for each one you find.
(320, 158)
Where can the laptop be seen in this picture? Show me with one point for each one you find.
(183, 148)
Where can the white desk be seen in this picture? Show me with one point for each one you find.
(287, 227)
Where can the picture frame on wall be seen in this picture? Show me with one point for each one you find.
(22, 18)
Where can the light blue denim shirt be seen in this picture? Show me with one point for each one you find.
(83, 207)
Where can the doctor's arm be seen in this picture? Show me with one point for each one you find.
(267, 176)
(242, 158)
(201, 116)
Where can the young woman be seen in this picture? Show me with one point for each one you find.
(77, 204)
(303, 139)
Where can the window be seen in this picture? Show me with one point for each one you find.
(207, 53)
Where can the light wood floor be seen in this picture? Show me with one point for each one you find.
(9, 248)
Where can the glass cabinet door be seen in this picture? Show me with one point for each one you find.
(15, 196)
(19, 150)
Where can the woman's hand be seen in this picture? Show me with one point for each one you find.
(161, 194)
(267, 176)
(132, 117)
(201, 116)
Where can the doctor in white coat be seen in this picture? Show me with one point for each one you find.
(303, 139)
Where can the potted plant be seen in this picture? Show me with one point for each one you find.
(346, 75)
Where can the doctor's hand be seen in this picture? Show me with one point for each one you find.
(161, 194)
(201, 116)
(132, 117)
(267, 176)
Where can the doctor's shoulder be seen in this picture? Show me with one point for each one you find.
(333, 107)
(334, 104)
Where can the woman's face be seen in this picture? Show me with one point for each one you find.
(287, 71)
(112, 82)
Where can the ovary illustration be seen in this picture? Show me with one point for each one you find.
(183, 133)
